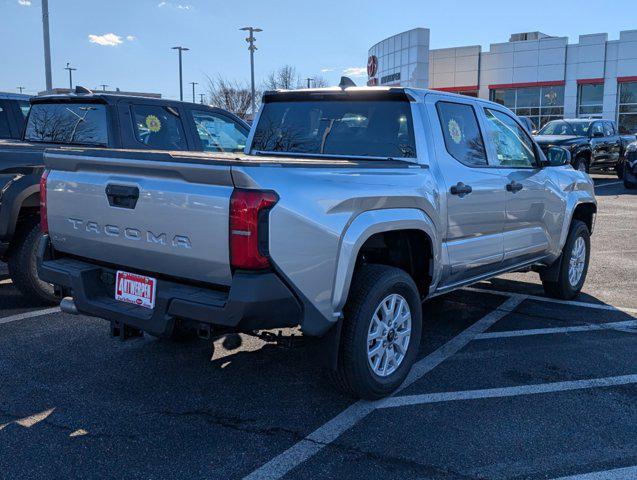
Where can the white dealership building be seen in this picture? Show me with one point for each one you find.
(536, 75)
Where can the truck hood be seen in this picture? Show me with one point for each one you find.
(544, 140)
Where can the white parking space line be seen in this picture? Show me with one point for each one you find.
(426, 398)
(609, 184)
(326, 434)
(573, 303)
(616, 474)
(24, 316)
(623, 326)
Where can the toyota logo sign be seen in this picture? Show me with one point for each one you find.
(372, 65)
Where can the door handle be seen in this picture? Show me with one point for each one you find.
(461, 189)
(514, 187)
(122, 196)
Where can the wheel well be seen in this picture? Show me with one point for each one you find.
(585, 213)
(410, 250)
(586, 154)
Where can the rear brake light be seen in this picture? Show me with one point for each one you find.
(44, 220)
(249, 210)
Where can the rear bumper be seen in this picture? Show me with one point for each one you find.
(254, 301)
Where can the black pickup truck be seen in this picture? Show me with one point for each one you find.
(594, 144)
(96, 120)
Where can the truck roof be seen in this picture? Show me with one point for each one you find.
(106, 98)
(14, 96)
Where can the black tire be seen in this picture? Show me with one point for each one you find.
(23, 264)
(370, 286)
(563, 288)
(619, 169)
(581, 163)
(628, 184)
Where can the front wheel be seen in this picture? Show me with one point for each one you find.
(573, 264)
(627, 183)
(381, 332)
(620, 168)
(581, 164)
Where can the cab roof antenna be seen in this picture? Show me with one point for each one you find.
(346, 82)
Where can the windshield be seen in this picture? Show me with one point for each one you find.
(337, 127)
(562, 127)
(67, 123)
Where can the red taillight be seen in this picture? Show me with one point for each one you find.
(249, 228)
(44, 221)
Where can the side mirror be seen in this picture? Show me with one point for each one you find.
(558, 157)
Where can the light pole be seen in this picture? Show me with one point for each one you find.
(47, 45)
(181, 84)
(309, 81)
(20, 89)
(70, 69)
(252, 48)
(103, 85)
(193, 90)
(202, 96)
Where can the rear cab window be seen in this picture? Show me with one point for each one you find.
(158, 127)
(337, 126)
(68, 123)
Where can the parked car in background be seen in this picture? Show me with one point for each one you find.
(101, 121)
(14, 109)
(528, 123)
(594, 144)
(630, 166)
(353, 205)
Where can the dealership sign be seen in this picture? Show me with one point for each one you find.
(394, 77)
(372, 65)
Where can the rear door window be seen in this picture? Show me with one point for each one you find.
(158, 127)
(4, 123)
(219, 133)
(461, 132)
(68, 123)
(357, 128)
(609, 130)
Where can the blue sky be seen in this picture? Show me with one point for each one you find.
(317, 38)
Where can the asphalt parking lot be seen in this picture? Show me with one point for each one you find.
(508, 384)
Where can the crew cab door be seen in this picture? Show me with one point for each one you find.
(599, 144)
(474, 193)
(534, 208)
(614, 142)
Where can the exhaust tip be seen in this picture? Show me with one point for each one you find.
(67, 305)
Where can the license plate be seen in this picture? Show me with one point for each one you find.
(135, 289)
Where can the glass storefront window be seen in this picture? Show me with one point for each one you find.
(540, 104)
(627, 108)
(590, 100)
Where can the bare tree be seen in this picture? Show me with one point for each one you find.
(319, 82)
(231, 95)
(285, 78)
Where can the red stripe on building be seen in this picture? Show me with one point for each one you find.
(626, 79)
(470, 88)
(590, 81)
(557, 83)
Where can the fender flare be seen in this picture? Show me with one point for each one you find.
(362, 228)
(13, 199)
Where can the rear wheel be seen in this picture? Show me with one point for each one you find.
(581, 164)
(381, 332)
(23, 262)
(573, 264)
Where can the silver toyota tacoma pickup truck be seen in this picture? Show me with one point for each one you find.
(349, 207)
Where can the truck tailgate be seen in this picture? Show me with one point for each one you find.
(141, 213)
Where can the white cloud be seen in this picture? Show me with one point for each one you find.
(162, 4)
(178, 6)
(106, 40)
(25, 3)
(355, 72)
(184, 7)
(325, 70)
(131, 38)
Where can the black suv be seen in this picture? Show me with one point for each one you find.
(95, 120)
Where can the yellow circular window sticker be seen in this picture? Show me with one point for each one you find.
(454, 131)
(153, 123)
